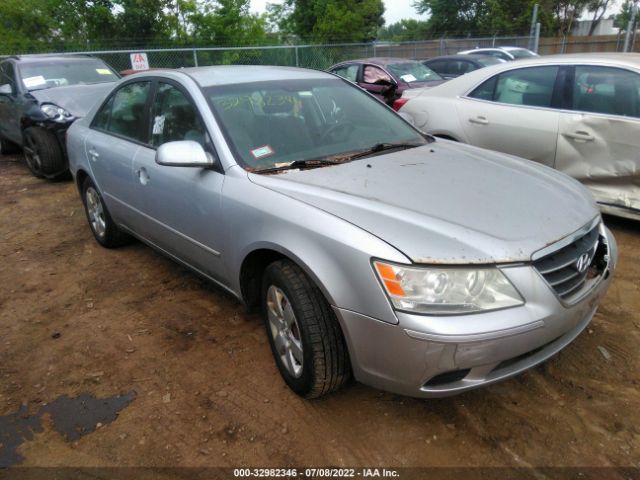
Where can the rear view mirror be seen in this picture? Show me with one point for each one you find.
(6, 89)
(184, 153)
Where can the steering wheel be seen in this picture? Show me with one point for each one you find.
(330, 132)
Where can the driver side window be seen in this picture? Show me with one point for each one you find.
(7, 76)
(175, 118)
(376, 75)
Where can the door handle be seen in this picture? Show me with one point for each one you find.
(143, 176)
(480, 120)
(581, 136)
(93, 153)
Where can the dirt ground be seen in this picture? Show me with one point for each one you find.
(76, 318)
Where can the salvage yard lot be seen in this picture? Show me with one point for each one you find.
(76, 318)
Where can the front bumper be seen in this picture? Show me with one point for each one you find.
(435, 356)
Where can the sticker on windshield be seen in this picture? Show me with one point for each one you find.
(158, 125)
(408, 78)
(103, 71)
(263, 151)
(31, 82)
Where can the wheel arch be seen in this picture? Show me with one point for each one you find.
(252, 268)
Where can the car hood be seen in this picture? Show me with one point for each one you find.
(446, 203)
(76, 99)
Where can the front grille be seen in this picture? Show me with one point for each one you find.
(573, 269)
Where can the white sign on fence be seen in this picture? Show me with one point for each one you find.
(139, 61)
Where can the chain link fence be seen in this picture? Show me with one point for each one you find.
(323, 56)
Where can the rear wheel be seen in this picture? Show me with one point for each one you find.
(43, 154)
(7, 147)
(102, 225)
(304, 333)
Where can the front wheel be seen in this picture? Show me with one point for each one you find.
(102, 225)
(304, 333)
(43, 154)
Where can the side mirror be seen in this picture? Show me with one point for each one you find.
(183, 153)
(6, 89)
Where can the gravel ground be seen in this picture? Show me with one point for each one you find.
(79, 319)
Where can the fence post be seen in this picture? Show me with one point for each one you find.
(374, 49)
(493, 41)
(534, 20)
(195, 57)
(297, 57)
(630, 26)
(442, 46)
(536, 39)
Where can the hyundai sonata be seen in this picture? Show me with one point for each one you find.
(417, 265)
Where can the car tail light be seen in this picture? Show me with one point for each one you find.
(399, 103)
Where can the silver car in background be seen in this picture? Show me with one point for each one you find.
(417, 265)
(577, 113)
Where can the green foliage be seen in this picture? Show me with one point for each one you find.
(622, 19)
(59, 25)
(328, 21)
(405, 30)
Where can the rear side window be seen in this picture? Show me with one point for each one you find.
(525, 86)
(123, 114)
(350, 72)
(607, 90)
(439, 66)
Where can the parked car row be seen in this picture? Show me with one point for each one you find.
(374, 250)
(387, 77)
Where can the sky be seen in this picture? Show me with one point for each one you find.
(394, 9)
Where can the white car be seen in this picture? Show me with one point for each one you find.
(577, 113)
(507, 54)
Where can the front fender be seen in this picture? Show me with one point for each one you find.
(334, 253)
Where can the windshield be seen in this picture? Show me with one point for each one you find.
(521, 53)
(413, 72)
(271, 124)
(60, 73)
(485, 61)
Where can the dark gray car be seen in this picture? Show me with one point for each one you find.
(40, 96)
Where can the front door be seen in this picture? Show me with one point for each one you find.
(184, 203)
(512, 113)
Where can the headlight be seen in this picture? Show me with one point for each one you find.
(431, 290)
(56, 113)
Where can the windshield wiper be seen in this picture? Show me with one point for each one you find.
(311, 163)
(378, 147)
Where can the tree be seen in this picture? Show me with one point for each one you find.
(622, 19)
(405, 30)
(329, 21)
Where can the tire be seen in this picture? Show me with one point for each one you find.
(313, 334)
(7, 147)
(43, 154)
(102, 225)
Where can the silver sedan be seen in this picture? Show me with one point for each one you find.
(417, 265)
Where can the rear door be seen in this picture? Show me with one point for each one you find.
(117, 133)
(515, 112)
(599, 135)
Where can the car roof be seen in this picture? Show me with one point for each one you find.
(238, 74)
(57, 58)
(628, 59)
(378, 60)
(458, 57)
